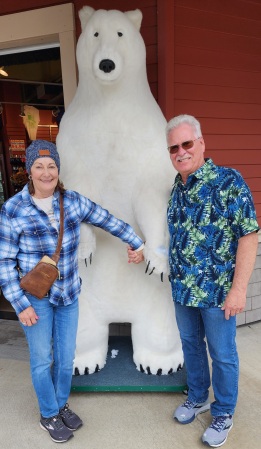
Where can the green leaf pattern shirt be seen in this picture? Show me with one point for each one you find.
(206, 218)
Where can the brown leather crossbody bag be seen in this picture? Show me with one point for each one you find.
(39, 280)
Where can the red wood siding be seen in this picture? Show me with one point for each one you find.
(217, 78)
(203, 58)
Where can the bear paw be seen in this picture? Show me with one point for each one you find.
(156, 260)
(88, 364)
(85, 252)
(158, 364)
(87, 245)
(159, 370)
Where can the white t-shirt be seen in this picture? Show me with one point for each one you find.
(46, 204)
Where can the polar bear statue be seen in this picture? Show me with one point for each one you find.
(113, 149)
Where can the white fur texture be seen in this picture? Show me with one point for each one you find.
(113, 150)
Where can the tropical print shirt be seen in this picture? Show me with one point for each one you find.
(206, 218)
(26, 235)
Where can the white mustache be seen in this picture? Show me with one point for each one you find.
(180, 159)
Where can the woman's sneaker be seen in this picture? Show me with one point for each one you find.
(217, 433)
(188, 411)
(59, 433)
(70, 419)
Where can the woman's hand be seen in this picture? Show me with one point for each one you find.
(28, 316)
(134, 256)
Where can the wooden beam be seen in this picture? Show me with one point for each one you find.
(166, 56)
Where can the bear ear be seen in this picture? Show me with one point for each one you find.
(135, 17)
(84, 15)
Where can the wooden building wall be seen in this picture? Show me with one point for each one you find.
(217, 77)
(203, 58)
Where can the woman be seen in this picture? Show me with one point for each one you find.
(29, 229)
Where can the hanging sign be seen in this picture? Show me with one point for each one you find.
(17, 145)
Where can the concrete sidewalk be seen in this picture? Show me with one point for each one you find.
(123, 420)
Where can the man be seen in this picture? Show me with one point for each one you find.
(213, 244)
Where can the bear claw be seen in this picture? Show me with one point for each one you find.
(141, 369)
(159, 372)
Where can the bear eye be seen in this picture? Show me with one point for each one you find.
(120, 33)
(96, 34)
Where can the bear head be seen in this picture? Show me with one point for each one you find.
(110, 48)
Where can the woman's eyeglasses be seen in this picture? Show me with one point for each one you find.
(173, 149)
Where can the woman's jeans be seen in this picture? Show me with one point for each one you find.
(52, 344)
(194, 325)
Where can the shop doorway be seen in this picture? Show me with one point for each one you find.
(46, 38)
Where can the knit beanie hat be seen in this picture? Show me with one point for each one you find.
(41, 148)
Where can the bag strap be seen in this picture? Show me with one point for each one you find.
(56, 255)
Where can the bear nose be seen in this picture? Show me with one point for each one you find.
(107, 65)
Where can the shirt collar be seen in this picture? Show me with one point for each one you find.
(201, 173)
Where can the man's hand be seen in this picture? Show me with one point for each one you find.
(235, 303)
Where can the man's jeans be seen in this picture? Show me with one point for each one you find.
(52, 344)
(194, 324)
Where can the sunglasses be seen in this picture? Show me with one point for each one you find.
(173, 149)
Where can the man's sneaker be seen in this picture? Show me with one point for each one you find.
(188, 411)
(70, 419)
(217, 433)
(56, 428)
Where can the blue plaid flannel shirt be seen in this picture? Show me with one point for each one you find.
(26, 235)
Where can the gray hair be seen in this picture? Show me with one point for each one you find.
(184, 118)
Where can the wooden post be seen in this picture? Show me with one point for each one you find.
(166, 56)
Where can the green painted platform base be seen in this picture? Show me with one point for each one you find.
(121, 374)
